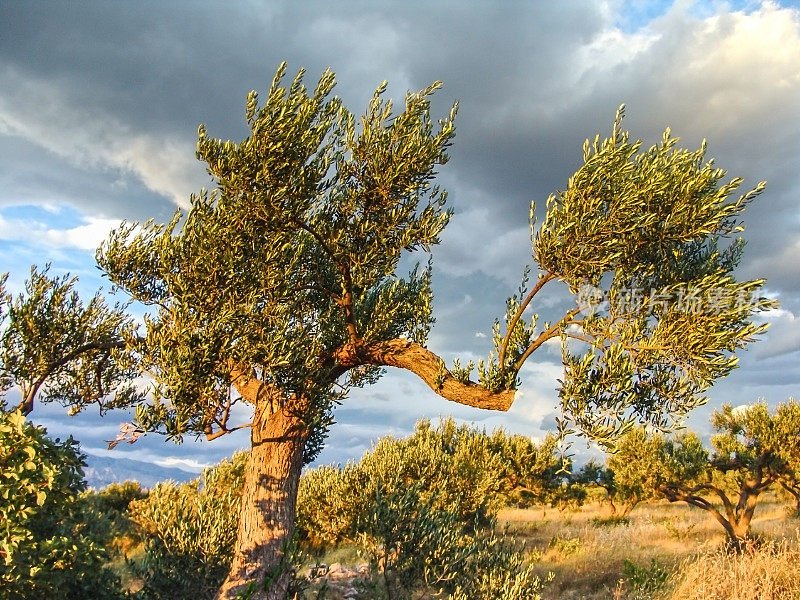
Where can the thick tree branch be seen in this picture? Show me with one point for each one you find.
(252, 389)
(410, 356)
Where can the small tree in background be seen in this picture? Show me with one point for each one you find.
(56, 348)
(787, 431)
(190, 533)
(626, 480)
(752, 450)
(280, 290)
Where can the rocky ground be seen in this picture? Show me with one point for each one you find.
(340, 582)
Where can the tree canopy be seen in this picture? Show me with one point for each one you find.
(751, 451)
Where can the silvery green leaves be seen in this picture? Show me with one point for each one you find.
(293, 256)
(56, 348)
(652, 359)
(643, 238)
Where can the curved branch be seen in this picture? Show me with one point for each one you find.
(410, 356)
(26, 406)
(551, 332)
(504, 347)
(220, 432)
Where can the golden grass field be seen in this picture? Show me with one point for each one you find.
(679, 546)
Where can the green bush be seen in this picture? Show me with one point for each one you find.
(416, 548)
(645, 581)
(421, 508)
(47, 547)
(458, 468)
(106, 513)
(190, 533)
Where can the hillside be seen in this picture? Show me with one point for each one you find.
(101, 471)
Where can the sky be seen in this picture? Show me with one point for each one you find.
(100, 104)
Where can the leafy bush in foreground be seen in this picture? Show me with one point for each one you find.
(47, 548)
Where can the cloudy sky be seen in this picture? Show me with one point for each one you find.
(100, 103)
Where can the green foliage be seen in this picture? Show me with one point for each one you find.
(415, 548)
(651, 228)
(645, 581)
(190, 533)
(628, 475)
(55, 347)
(47, 549)
(458, 468)
(565, 546)
(105, 512)
(410, 543)
(630, 482)
(293, 255)
(751, 451)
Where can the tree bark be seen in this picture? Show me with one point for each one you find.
(261, 568)
(410, 356)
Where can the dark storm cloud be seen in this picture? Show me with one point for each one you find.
(165, 67)
(100, 102)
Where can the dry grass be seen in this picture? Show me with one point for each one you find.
(767, 573)
(594, 557)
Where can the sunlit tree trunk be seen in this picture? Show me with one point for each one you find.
(261, 567)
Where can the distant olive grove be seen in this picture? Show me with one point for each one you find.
(421, 510)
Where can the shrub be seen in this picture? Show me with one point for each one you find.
(191, 529)
(106, 513)
(459, 469)
(47, 549)
(416, 548)
(645, 581)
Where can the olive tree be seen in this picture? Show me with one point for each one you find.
(280, 289)
(56, 348)
(627, 477)
(751, 451)
(787, 431)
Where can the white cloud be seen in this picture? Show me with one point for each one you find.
(186, 464)
(782, 336)
(40, 112)
(86, 236)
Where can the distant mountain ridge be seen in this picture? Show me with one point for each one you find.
(101, 471)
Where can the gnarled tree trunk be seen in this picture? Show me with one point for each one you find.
(261, 569)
